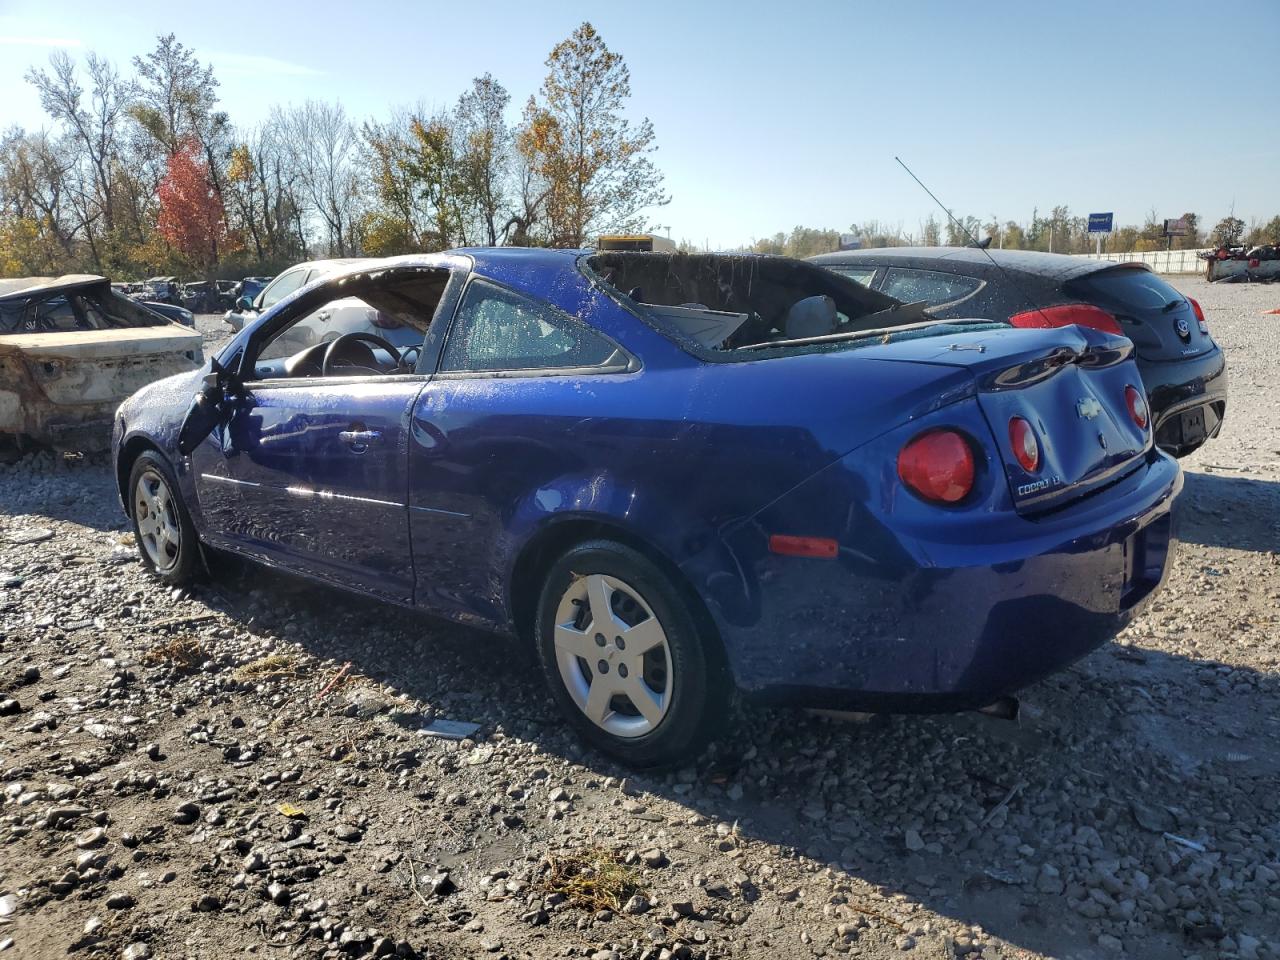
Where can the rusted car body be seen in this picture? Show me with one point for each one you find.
(71, 349)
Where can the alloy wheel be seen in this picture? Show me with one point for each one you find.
(158, 529)
(613, 655)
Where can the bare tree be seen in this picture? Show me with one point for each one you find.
(91, 121)
(321, 146)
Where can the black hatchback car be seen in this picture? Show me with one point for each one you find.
(1183, 370)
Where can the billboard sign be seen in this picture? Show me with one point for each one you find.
(1176, 228)
(1100, 222)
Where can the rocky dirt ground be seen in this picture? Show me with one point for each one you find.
(193, 774)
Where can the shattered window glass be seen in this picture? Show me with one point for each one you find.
(496, 329)
(912, 286)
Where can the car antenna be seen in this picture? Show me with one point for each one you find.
(974, 240)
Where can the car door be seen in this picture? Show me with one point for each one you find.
(518, 380)
(309, 470)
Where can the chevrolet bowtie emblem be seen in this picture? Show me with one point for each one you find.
(1088, 407)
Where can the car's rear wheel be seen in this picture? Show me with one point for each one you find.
(161, 525)
(622, 654)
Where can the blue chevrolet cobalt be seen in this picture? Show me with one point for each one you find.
(677, 476)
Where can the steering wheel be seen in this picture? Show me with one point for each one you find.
(334, 353)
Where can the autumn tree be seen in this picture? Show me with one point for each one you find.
(37, 222)
(484, 154)
(419, 185)
(191, 214)
(595, 163)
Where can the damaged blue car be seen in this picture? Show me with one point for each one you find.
(678, 476)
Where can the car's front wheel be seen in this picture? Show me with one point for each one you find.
(166, 538)
(624, 659)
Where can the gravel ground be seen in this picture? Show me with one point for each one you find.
(192, 774)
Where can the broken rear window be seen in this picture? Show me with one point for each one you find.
(68, 311)
(723, 306)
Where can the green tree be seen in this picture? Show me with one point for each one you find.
(1227, 232)
(929, 232)
(1269, 232)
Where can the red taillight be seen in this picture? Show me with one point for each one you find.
(818, 548)
(1066, 314)
(938, 466)
(1195, 305)
(1137, 405)
(1026, 448)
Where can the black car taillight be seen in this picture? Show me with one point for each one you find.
(1066, 314)
(1195, 305)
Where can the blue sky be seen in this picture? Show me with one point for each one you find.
(774, 114)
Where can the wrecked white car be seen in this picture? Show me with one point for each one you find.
(71, 349)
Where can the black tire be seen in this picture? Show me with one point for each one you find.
(183, 566)
(700, 690)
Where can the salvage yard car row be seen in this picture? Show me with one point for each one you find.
(651, 465)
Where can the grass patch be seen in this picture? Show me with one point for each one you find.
(182, 653)
(270, 668)
(594, 879)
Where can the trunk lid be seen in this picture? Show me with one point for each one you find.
(1068, 383)
(96, 366)
(1156, 317)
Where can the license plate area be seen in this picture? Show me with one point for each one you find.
(1192, 425)
(1146, 553)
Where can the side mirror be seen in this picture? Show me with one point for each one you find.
(244, 303)
(207, 409)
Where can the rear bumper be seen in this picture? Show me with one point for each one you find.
(1181, 386)
(939, 623)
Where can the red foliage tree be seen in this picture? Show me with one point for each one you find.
(192, 217)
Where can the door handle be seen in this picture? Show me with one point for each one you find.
(359, 440)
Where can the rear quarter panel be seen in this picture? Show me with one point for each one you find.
(673, 453)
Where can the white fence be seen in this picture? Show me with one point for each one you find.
(1161, 261)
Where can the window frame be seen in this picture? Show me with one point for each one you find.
(872, 281)
(629, 363)
(260, 303)
(245, 355)
(978, 284)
